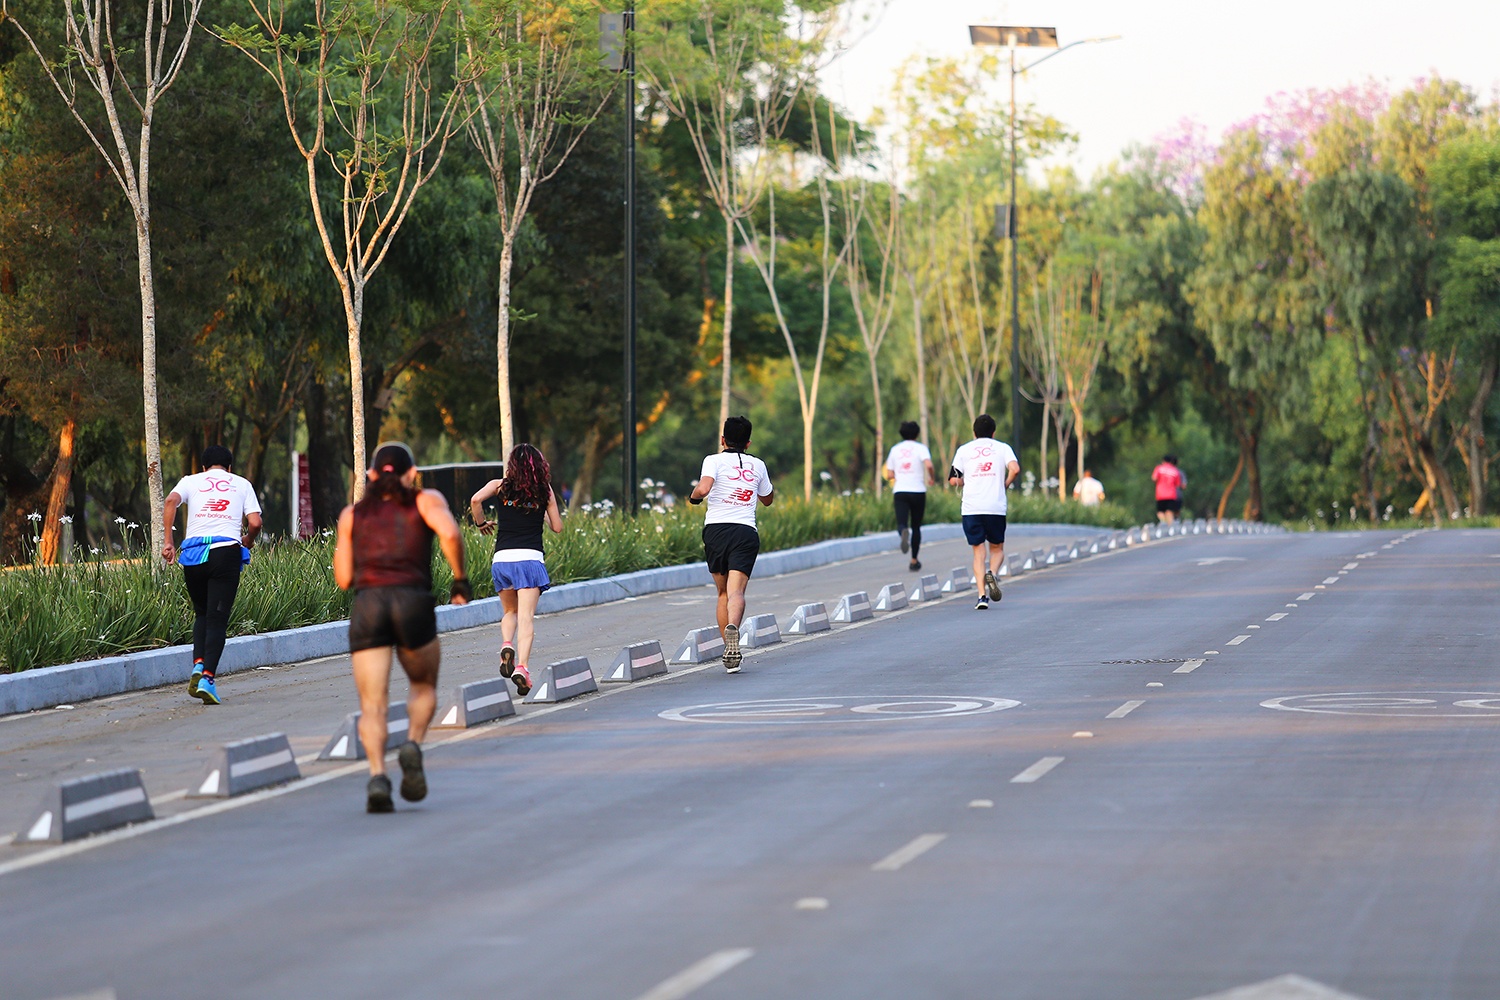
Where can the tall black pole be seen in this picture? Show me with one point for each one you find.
(1015, 309)
(627, 471)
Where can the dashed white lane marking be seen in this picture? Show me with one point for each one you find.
(1252, 626)
(1277, 616)
(1353, 565)
(901, 857)
(1036, 771)
(698, 974)
(1157, 684)
(812, 903)
(1083, 734)
(1125, 709)
(1306, 597)
(1289, 605)
(1237, 640)
(1332, 579)
(982, 804)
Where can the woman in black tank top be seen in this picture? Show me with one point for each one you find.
(384, 552)
(524, 502)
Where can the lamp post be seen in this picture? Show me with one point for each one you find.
(1014, 37)
(617, 44)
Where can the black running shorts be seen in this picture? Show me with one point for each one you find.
(730, 547)
(392, 616)
(1174, 506)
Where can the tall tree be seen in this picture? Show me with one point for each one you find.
(129, 82)
(538, 87)
(370, 111)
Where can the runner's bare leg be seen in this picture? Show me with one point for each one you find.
(421, 666)
(372, 679)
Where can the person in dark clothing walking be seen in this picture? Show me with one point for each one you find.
(519, 569)
(223, 521)
(384, 551)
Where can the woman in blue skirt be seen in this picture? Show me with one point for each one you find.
(524, 501)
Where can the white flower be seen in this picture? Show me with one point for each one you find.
(826, 476)
(93, 552)
(33, 516)
(65, 519)
(35, 539)
(132, 525)
(119, 520)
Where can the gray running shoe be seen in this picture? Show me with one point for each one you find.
(378, 795)
(983, 604)
(732, 655)
(991, 585)
(905, 539)
(413, 778)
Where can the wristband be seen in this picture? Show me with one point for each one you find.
(953, 472)
(460, 588)
(695, 500)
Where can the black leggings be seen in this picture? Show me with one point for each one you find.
(212, 586)
(914, 504)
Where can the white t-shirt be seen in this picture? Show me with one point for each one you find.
(217, 502)
(739, 482)
(982, 462)
(907, 460)
(1089, 491)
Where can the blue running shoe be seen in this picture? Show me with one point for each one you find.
(193, 680)
(206, 690)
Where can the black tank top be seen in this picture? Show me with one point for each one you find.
(518, 526)
(392, 546)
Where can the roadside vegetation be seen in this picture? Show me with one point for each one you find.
(104, 607)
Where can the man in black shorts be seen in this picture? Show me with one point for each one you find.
(732, 482)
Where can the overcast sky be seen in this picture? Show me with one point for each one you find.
(1213, 60)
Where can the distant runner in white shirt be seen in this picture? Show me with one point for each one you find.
(1088, 490)
(733, 482)
(985, 468)
(214, 548)
(909, 470)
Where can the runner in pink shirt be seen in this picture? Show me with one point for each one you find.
(1169, 483)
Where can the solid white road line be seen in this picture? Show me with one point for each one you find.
(900, 857)
(1277, 616)
(1237, 640)
(1126, 709)
(698, 974)
(1036, 771)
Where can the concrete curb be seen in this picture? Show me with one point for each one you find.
(69, 683)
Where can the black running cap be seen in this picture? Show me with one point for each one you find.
(393, 457)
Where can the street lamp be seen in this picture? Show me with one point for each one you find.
(617, 42)
(1014, 37)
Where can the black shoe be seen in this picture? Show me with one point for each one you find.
(905, 539)
(732, 655)
(914, 566)
(507, 660)
(378, 795)
(983, 604)
(413, 780)
(991, 586)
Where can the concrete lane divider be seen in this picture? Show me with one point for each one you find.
(245, 765)
(810, 618)
(476, 702)
(853, 608)
(88, 805)
(892, 597)
(1015, 565)
(345, 744)
(1058, 556)
(959, 579)
(927, 588)
(1038, 559)
(1081, 549)
(701, 646)
(562, 680)
(758, 631)
(636, 662)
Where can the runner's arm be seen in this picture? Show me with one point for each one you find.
(1012, 470)
(343, 551)
(769, 498)
(705, 484)
(433, 507)
(931, 472)
(169, 515)
(476, 506)
(554, 516)
(252, 531)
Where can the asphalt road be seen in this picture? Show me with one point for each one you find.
(1133, 778)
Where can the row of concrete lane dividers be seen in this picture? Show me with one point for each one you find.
(97, 803)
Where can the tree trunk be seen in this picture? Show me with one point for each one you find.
(57, 497)
(1062, 461)
(725, 356)
(148, 353)
(355, 303)
(1254, 504)
(1428, 469)
(1234, 481)
(879, 425)
(922, 414)
(502, 345)
(1475, 444)
(588, 470)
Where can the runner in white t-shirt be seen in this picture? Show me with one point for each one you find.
(214, 548)
(909, 470)
(1088, 490)
(985, 468)
(732, 482)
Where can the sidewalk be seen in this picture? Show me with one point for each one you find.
(170, 736)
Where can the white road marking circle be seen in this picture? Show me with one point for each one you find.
(1396, 704)
(859, 708)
